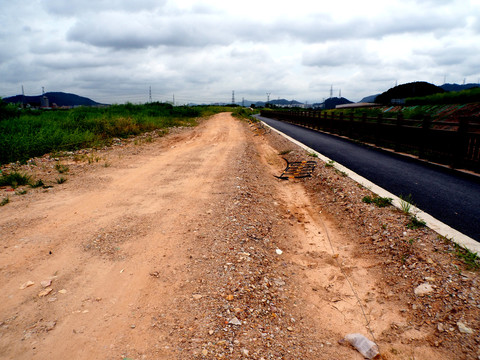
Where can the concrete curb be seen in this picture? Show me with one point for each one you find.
(433, 223)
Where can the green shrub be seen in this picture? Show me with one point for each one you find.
(14, 179)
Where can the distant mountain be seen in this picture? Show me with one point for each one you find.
(331, 103)
(369, 99)
(58, 98)
(457, 87)
(285, 102)
(413, 89)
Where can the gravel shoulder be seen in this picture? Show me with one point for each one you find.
(186, 246)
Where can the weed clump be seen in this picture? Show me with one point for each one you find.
(14, 179)
(416, 223)
(377, 201)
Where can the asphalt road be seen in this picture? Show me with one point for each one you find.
(450, 196)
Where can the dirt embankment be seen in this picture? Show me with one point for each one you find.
(187, 247)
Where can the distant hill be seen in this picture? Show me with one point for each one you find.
(331, 103)
(59, 98)
(413, 89)
(457, 87)
(285, 102)
(369, 99)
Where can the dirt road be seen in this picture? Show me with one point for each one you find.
(188, 247)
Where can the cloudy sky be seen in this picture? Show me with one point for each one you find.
(113, 51)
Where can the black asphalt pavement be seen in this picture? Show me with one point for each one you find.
(450, 196)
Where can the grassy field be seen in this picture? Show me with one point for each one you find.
(29, 133)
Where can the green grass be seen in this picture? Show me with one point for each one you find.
(14, 179)
(37, 184)
(471, 259)
(406, 203)
(330, 163)
(61, 168)
(4, 201)
(312, 154)
(37, 132)
(416, 223)
(452, 97)
(377, 200)
(61, 180)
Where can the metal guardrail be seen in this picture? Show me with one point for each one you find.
(455, 143)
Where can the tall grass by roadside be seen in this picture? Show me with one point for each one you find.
(37, 132)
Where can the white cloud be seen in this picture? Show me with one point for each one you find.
(115, 50)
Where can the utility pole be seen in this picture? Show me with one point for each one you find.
(268, 97)
(233, 97)
(43, 90)
(243, 102)
(150, 94)
(173, 99)
(331, 91)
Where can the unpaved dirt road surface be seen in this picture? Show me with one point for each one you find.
(188, 247)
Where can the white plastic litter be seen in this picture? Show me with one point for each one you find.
(366, 347)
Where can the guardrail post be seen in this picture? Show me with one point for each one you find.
(398, 132)
(378, 129)
(425, 141)
(351, 125)
(340, 125)
(461, 144)
(332, 122)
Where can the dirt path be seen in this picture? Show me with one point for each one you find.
(189, 248)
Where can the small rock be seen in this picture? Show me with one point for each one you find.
(50, 325)
(279, 252)
(197, 297)
(132, 326)
(423, 289)
(464, 329)
(290, 328)
(230, 297)
(235, 321)
(46, 283)
(63, 291)
(204, 352)
(440, 327)
(45, 292)
(245, 352)
(27, 284)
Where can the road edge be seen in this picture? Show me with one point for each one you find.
(433, 223)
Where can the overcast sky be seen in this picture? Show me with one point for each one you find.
(113, 51)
